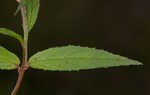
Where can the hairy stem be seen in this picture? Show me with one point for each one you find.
(24, 66)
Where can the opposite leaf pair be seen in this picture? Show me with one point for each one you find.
(68, 58)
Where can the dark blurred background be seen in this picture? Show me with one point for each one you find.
(118, 26)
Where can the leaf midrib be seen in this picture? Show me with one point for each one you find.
(83, 58)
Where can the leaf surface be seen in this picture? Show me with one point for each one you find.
(11, 33)
(32, 9)
(8, 60)
(70, 58)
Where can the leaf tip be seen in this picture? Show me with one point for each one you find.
(139, 63)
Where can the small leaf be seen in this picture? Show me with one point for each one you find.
(70, 58)
(8, 60)
(22, 3)
(11, 33)
(32, 9)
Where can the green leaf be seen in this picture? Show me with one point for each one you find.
(8, 60)
(11, 33)
(32, 9)
(70, 58)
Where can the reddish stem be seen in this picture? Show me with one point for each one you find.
(20, 77)
(24, 66)
(21, 71)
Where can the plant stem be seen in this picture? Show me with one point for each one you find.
(24, 66)
(21, 71)
(18, 83)
(21, 74)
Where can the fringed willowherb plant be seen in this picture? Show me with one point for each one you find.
(67, 58)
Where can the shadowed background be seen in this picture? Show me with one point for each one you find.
(118, 26)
